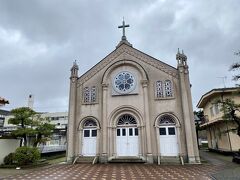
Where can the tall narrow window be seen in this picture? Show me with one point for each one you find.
(211, 111)
(93, 94)
(217, 108)
(90, 95)
(86, 95)
(168, 88)
(159, 89)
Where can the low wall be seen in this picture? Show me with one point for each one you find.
(7, 146)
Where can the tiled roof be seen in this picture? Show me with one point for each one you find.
(205, 98)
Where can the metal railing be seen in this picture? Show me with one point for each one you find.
(52, 148)
(205, 119)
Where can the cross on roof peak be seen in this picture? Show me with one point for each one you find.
(123, 26)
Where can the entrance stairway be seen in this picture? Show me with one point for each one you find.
(85, 159)
(170, 160)
(127, 159)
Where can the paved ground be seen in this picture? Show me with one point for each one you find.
(217, 167)
(227, 169)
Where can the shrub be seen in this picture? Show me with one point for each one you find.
(9, 159)
(26, 155)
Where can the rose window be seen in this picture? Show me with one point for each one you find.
(124, 82)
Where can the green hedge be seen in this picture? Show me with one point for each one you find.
(26, 155)
(9, 159)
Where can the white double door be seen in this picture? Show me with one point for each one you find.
(168, 141)
(127, 141)
(89, 142)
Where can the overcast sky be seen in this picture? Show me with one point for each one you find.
(40, 39)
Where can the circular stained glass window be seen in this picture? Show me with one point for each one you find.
(124, 82)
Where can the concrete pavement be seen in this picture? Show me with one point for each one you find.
(217, 167)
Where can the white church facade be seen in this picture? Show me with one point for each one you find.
(131, 105)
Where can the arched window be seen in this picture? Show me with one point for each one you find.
(159, 89)
(168, 88)
(166, 120)
(89, 123)
(126, 119)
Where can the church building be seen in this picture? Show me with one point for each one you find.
(131, 106)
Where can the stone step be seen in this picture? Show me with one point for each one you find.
(85, 159)
(127, 160)
(170, 160)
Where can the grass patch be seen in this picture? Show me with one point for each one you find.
(50, 156)
(34, 165)
(54, 158)
(57, 160)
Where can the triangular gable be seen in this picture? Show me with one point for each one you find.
(126, 49)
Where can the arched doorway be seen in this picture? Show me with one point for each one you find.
(89, 137)
(168, 136)
(127, 136)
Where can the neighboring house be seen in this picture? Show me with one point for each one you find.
(6, 145)
(3, 114)
(7, 128)
(218, 134)
(58, 139)
(132, 106)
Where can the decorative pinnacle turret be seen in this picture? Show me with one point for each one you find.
(181, 58)
(74, 69)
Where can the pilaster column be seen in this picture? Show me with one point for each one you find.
(158, 145)
(192, 123)
(139, 141)
(114, 149)
(143, 139)
(80, 145)
(103, 157)
(147, 120)
(98, 141)
(187, 116)
(178, 130)
(71, 120)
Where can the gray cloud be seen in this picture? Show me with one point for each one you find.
(40, 39)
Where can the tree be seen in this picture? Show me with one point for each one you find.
(30, 124)
(23, 118)
(43, 130)
(199, 118)
(229, 107)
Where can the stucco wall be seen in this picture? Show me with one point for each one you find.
(156, 107)
(217, 132)
(225, 140)
(141, 103)
(7, 146)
